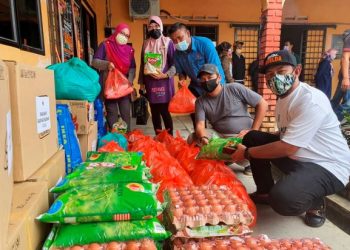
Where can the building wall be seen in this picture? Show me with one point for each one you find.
(229, 11)
(13, 53)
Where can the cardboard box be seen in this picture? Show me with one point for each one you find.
(51, 171)
(34, 123)
(88, 142)
(6, 154)
(30, 199)
(82, 114)
(17, 236)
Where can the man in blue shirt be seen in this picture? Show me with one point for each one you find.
(192, 52)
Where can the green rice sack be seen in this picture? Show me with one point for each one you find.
(117, 159)
(105, 202)
(93, 174)
(104, 232)
(219, 149)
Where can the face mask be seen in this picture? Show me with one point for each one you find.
(333, 56)
(121, 39)
(238, 51)
(155, 33)
(182, 46)
(286, 47)
(280, 84)
(210, 85)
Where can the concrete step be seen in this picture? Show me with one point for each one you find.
(338, 212)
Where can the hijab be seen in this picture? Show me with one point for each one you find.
(120, 55)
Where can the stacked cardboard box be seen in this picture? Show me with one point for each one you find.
(88, 142)
(6, 157)
(34, 124)
(82, 114)
(28, 115)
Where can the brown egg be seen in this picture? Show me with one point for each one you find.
(147, 244)
(187, 197)
(235, 243)
(213, 201)
(113, 246)
(203, 187)
(242, 248)
(230, 208)
(221, 245)
(214, 187)
(182, 189)
(191, 211)
(132, 245)
(199, 197)
(205, 245)
(216, 209)
(221, 196)
(225, 202)
(184, 192)
(297, 243)
(193, 188)
(205, 209)
(251, 242)
(190, 246)
(189, 203)
(202, 202)
(95, 246)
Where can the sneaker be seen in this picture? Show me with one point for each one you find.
(260, 198)
(316, 217)
(248, 171)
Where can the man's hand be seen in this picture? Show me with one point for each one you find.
(238, 155)
(345, 84)
(204, 141)
(111, 66)
(243, 133)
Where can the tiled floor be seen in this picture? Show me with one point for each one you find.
(269, 222)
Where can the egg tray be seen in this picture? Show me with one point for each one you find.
(205, 231)
(195, 207)
(138, 244)
(261, 242)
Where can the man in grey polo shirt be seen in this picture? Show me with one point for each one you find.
(225, 107)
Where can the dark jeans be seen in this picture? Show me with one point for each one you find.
(158, 111)
(303, 187)
(123, 105)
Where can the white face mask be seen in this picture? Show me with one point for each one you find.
(286, 47)
(121, 39)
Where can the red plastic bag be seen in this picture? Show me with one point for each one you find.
(183, 101)
(111, 146)
(116, 85)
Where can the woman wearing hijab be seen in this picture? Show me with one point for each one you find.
(324, 74)
(115, 53)
(156, 73)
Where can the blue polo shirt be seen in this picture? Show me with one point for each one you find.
(189, 62)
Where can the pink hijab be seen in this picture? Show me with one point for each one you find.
(120, 55)
(160, 45)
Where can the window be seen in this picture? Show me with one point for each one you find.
(20, 24)
(209, 31)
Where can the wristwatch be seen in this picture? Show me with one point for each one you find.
(246, 154)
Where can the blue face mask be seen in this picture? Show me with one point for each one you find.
(280, 84)
(182, 46)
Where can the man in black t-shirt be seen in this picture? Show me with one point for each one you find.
(238, 63)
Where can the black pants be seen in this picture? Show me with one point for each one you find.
(304, 186)
(118, 106)
(158, 111)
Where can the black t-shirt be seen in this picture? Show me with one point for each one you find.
(238, 67)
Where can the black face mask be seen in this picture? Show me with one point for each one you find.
(155, 34)
(210, 85)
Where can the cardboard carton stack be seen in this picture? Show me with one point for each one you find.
(86, 128)
(30, 159)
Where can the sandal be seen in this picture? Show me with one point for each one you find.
(316, 217)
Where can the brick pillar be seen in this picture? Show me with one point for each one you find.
(270, 35)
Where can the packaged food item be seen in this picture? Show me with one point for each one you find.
(198, 206)
(120, 126)
(105, 202)
(153, 63)
(248, 242)
(116, 137)
(90, 174)
(107, 234)
(219, 149)
(116, 159)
